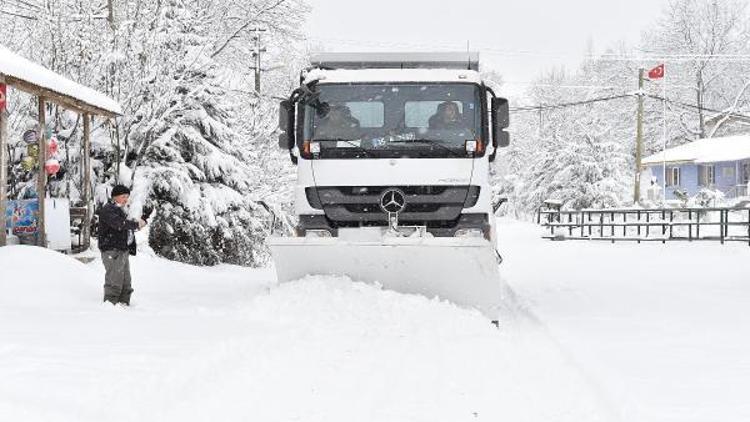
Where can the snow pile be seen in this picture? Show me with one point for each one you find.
(34, 277)
(656, 339)
(225, 343)
(329, 349)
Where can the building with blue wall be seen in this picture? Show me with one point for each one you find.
(717, 163)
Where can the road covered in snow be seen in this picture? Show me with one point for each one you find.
(662, 329)
(596, 332)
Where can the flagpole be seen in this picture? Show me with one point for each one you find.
(664, 140)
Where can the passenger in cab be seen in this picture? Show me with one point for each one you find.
(447, 116)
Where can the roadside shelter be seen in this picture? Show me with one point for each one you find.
(48, 87)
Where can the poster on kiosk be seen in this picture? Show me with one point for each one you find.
(21, 220)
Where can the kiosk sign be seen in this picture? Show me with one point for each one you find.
(21, 217)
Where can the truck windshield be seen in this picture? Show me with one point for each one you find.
(393, 120)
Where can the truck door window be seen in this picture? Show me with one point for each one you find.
(418, 113)
(370, 114)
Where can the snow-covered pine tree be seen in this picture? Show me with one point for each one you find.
(191, 171)
(579, 165)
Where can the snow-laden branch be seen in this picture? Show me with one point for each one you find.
(728, 113)
(243, 27)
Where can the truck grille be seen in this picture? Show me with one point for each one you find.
(360, 205)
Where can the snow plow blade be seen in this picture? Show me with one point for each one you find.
(463, 271)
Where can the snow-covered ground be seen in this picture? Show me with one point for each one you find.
(662, 329)
(602, 332)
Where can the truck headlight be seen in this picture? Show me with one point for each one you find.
(317, 233)
(469, 233)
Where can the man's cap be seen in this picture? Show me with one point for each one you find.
(120, 190)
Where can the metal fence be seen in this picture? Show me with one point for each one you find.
(663, 224)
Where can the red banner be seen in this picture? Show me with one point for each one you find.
(3, 91)
(657, 72)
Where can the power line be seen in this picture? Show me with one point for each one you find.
(545, 107)
(548, 85)
(570, 104)
(634, 57)
(695, 107)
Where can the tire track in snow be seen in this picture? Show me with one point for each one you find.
(517, 308)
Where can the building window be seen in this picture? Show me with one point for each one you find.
(673, 176)
(745, 173)
(706, 175)
(727, 172)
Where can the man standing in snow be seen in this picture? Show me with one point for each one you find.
(114, 231)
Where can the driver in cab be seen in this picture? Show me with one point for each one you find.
(338, 124)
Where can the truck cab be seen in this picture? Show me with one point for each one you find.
(394, 140)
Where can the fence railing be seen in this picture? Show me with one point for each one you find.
(662, 224)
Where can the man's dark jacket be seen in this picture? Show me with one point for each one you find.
(114, 227)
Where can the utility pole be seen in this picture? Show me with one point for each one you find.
(3, 162)
(111, 13)
(699, 100)
(256, 55)
(638, 139)
(541, 121)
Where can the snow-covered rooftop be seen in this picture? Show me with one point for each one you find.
(25, 71)
(393, 75)
(711, 150)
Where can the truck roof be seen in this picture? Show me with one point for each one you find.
(468, 60)
(324, 76)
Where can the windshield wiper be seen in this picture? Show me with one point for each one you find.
(364, 151)
(431, 143)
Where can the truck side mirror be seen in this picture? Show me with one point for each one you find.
(501, 112)
(283, 140)
(503, 139)
(500, 121)
(286, 124)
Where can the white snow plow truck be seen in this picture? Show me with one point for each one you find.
(393, 153)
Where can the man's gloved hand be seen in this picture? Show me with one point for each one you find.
(146, 213)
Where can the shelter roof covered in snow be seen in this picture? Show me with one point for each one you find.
(36, 79)
(711, 150)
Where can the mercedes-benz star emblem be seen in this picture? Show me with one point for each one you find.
(393, 201)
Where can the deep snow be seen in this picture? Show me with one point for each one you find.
(662, 329)
(600, 332)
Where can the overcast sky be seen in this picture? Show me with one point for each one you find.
(538, 34)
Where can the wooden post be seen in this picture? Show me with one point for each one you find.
(3, 171)
(583, 224)
(86, 191)
(638, 139)
(41, 185)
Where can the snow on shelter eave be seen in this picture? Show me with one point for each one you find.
(25, 75)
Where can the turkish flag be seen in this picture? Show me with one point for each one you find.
(3, 91)
(657, 72)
